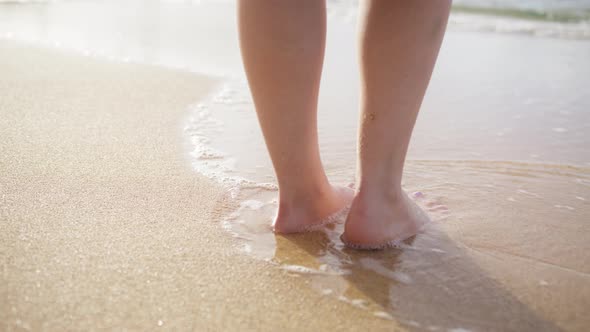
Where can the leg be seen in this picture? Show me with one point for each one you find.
(399, 45)
(282, 45)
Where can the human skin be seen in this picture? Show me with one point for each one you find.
(399, 44)
(282, 44)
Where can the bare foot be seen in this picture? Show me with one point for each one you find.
(378, 220)
(310, 212)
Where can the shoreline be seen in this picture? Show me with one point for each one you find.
(105, 224)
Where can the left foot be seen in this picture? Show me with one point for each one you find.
(308, 212)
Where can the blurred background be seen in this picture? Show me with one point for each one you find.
(510, 84)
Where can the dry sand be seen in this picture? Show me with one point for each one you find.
(105, 225)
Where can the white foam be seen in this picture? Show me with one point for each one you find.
(413, 323)
(336, 217)
(252, 204)
(204, 130)
(201, 129)
(327, 291)
(566, 30)
(567, 207)
(522, 191)
(305, 270)
(376, 266)
(383, 315)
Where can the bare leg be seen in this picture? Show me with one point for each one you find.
(282, 45)
(399, 46)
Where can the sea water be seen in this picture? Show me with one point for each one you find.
(499, 156)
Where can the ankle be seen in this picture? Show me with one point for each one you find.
(370, 192)
(298, 195)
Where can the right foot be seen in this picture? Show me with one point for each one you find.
(310, 212)
(378, 220)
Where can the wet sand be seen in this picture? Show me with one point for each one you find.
(507, 250)
(104, 222)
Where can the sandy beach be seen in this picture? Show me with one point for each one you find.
(136, 192)
(106, 225)
(104, 222)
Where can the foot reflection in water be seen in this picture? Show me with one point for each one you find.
(430, 283)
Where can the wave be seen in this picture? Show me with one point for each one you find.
(574, 15)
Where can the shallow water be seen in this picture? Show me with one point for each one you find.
(499, 154)
(529, 217)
